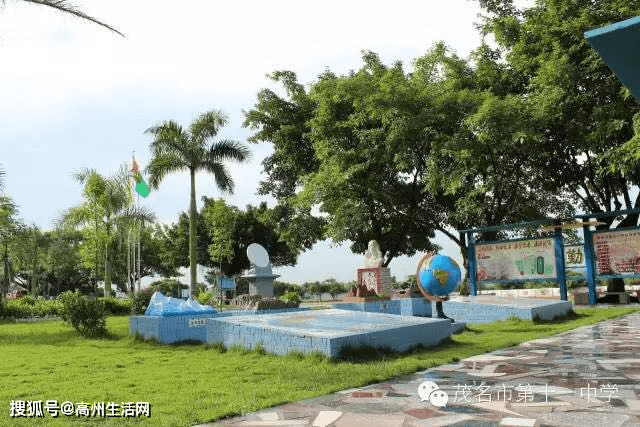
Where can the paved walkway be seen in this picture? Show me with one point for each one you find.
(586, 377)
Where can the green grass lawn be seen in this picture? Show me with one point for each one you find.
(190, 384)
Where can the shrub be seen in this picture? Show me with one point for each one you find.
(291, 297)
(141, 300)
(88, 317)
(15, 309)
(168, 287)
(27, 300)
(28, 306)
(117, 306)
(274, 304)
(205, 297)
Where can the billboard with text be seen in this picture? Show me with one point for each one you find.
(617, 252)
(516, 260)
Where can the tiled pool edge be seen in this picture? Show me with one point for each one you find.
(471, 312)
(403, 307)
(189, 328)
(202, 327)
(400, 338)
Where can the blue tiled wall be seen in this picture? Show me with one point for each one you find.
(403, 306)
(486, 313)
(174, 329)
(170, 329)
(402, 338)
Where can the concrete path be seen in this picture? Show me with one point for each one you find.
(586, 377)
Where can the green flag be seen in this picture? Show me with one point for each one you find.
(141, 187)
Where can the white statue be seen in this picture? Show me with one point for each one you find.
(373, 256)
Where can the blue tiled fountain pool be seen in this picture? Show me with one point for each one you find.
(327, 331)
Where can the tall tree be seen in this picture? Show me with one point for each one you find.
(108, 207)
(395, 155)
(283, 122)
(581, 111)
(483, 166)
(363, 123)
(68, 8)
(175, 149)
(63, 265)
(256, 224)
(9, 228)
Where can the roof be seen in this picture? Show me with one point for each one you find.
(619, 46)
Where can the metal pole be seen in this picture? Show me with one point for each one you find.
(473, 276)
(139, 278)
(560, 267)
(129, 281)
(589, 257)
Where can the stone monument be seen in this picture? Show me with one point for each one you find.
(372, 277)
(260, 275)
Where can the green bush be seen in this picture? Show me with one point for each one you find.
(168, 287)
(17, 310)
(88, 317)
(205, 297)
(117, 306)
(291, 297)
(274, 304)
(27, 306)
(141, 300)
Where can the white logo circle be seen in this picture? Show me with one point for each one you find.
(439, 398)
(425, 389)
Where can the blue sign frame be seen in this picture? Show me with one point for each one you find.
(559, 254)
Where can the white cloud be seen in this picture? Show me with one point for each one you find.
(74, 94)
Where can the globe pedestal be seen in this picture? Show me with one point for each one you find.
(376, 279)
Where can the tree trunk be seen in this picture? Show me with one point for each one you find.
(193, 261)
(107, 273)
(464, 251)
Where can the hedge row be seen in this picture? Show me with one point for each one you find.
(27, 307)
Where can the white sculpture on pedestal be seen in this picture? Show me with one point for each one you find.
(260, 275)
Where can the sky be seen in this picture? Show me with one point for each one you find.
(75, 95)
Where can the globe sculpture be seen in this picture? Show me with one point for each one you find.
(437, 276)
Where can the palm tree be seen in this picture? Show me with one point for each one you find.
(108, 207)
(9, 226)
(177, 149)
(66, 7)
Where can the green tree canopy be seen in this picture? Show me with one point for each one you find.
(106, 210)
(580, 111)
(242, 228)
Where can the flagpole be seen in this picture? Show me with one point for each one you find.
(139, 278)
(142, 189)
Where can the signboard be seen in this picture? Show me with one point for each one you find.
(533, 259)
(575, 262)
(197, 323)
(574, 256)
(617, 252)
(227, 283)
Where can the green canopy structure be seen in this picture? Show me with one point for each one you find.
(619, 46)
